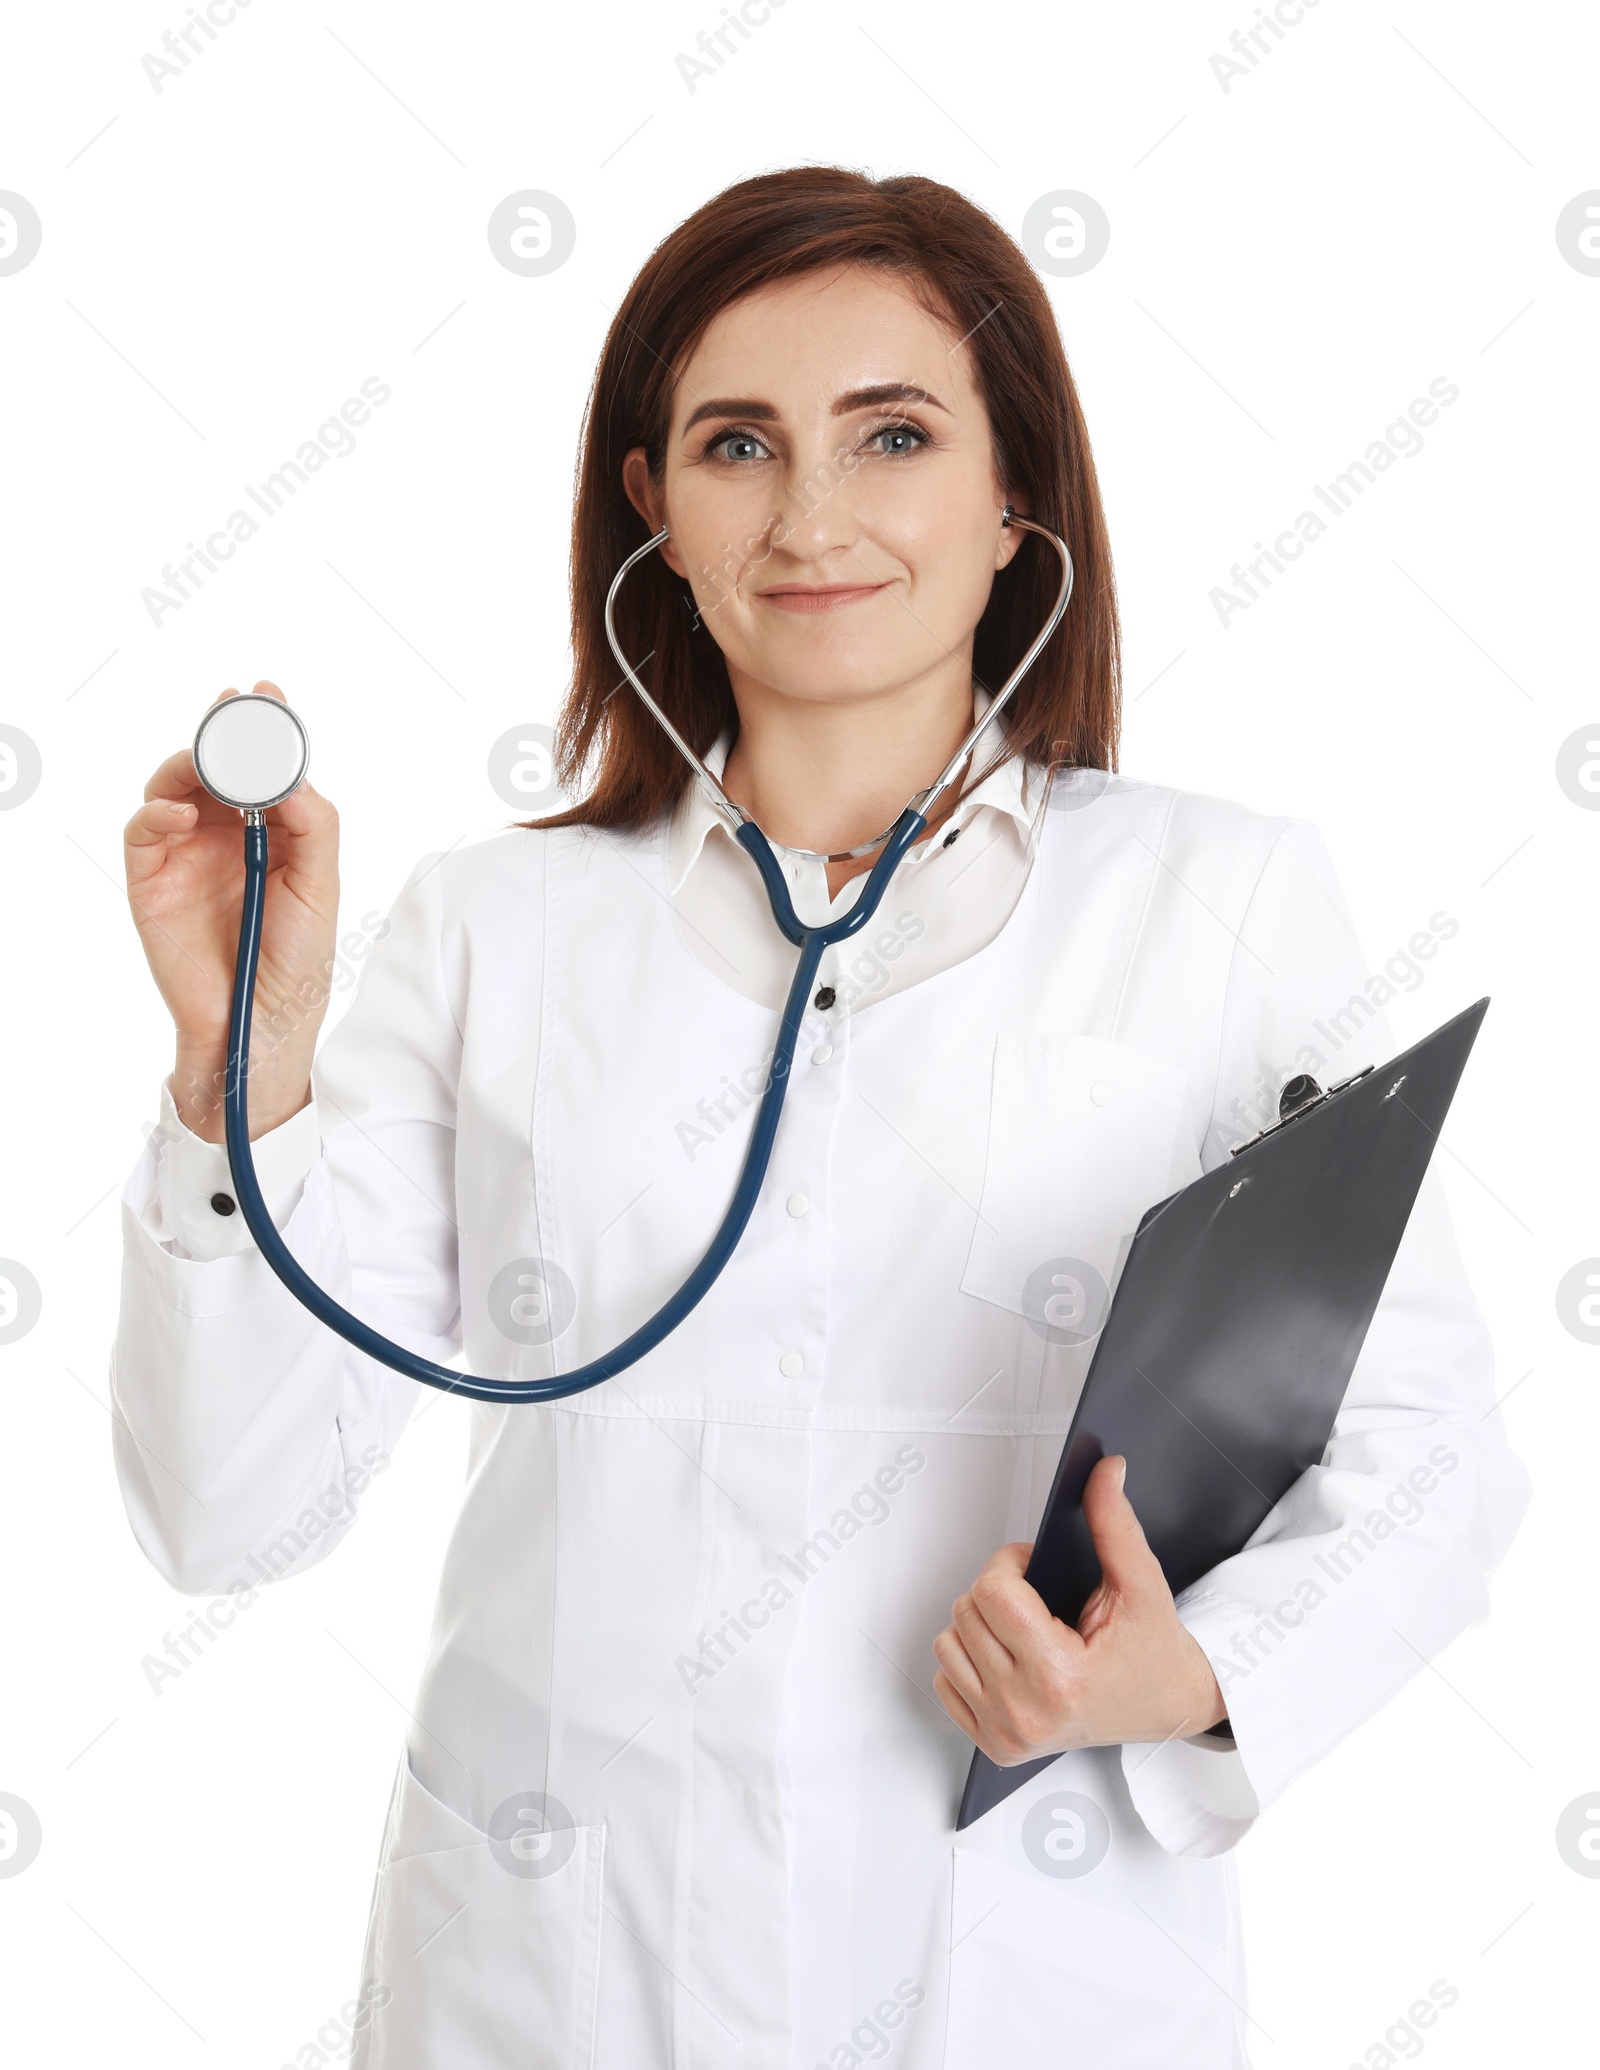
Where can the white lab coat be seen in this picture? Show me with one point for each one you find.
(693, 1608)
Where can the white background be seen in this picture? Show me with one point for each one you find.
(1291, 262)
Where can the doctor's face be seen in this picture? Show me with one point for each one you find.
(830, 489)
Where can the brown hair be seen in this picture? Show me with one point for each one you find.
(966, 271)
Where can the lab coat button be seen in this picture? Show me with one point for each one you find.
(1100, 1092)
(822, 1052)
(222, 1204)
(791, 1365)
(797, 1204)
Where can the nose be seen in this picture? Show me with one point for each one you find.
(816, 513)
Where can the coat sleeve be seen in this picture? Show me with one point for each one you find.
(1380, 1555)
(243, 1430)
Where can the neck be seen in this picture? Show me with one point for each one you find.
(829, 775)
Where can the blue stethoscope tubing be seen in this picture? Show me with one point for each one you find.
(811, 941)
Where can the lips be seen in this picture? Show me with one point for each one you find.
(833, 597)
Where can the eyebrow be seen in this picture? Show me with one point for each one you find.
(852, 399)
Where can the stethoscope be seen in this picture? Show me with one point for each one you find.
(253, 752)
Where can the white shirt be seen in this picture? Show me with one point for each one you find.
(952, 894)
(694, 1607)
(946, 907)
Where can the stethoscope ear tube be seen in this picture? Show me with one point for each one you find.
(811, 942)
(924, 800)
(247, 1190)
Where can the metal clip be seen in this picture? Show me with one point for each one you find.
(1299, 1095)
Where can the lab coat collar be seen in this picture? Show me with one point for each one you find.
(1015, 788)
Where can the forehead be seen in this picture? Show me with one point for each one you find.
(800, 343)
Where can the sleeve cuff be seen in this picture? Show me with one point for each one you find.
(1196, 1796)
(191, 1173)
(1192, 1795)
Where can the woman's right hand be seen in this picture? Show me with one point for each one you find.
(184, 855)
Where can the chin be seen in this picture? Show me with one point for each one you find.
(828, 682)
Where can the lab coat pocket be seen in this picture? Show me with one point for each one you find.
(489, 1947)
(1041, 1976)
(1082, 1136)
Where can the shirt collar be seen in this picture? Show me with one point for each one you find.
(1016, 788)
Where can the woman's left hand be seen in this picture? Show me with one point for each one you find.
(1021, 1683)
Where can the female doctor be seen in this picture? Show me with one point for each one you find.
(697, 1707)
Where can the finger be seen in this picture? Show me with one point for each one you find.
(989, 1655)
(175, 778)
(261, 689)
(956, 1705)
(1126, 1561)
(155, 824)
(1011, 1606)
(152, 831)
(951, 1653)
(304, 836)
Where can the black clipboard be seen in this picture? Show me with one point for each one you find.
(1240, 1312)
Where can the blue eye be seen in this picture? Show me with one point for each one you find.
(739, 438)
(909, 432)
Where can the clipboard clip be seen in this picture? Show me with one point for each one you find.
(1299, 1095)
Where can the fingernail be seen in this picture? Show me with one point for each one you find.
(1122, 1471)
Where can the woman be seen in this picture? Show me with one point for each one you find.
(684, 1772)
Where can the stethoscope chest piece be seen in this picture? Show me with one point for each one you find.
(251, 752)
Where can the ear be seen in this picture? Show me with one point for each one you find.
(648, 501)
(1008, 539)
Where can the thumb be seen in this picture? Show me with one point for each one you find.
(1126, 1561)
